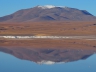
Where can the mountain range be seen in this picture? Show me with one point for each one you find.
(48, 13)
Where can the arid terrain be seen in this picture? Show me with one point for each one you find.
(50, 29)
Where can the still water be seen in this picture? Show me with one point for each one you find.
(46, 60)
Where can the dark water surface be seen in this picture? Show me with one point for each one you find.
(46, 60)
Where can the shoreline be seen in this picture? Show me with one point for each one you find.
(89, 37)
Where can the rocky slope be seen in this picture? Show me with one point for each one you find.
(48, 13)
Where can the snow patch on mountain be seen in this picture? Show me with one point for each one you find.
(46, 6)
(50, 6)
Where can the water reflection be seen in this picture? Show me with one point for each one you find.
(48, 56)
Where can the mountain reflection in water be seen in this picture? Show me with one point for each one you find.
(48, 56)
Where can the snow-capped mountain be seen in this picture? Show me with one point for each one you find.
(48, 13)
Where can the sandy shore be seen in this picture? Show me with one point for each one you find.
(78, 35)
(51, 43)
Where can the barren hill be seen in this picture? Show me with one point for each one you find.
(48, 13)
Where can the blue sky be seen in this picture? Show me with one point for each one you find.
(10, 6)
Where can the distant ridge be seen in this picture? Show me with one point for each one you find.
(49, 13)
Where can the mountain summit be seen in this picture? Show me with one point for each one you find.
(48, 13)
(50, 6)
